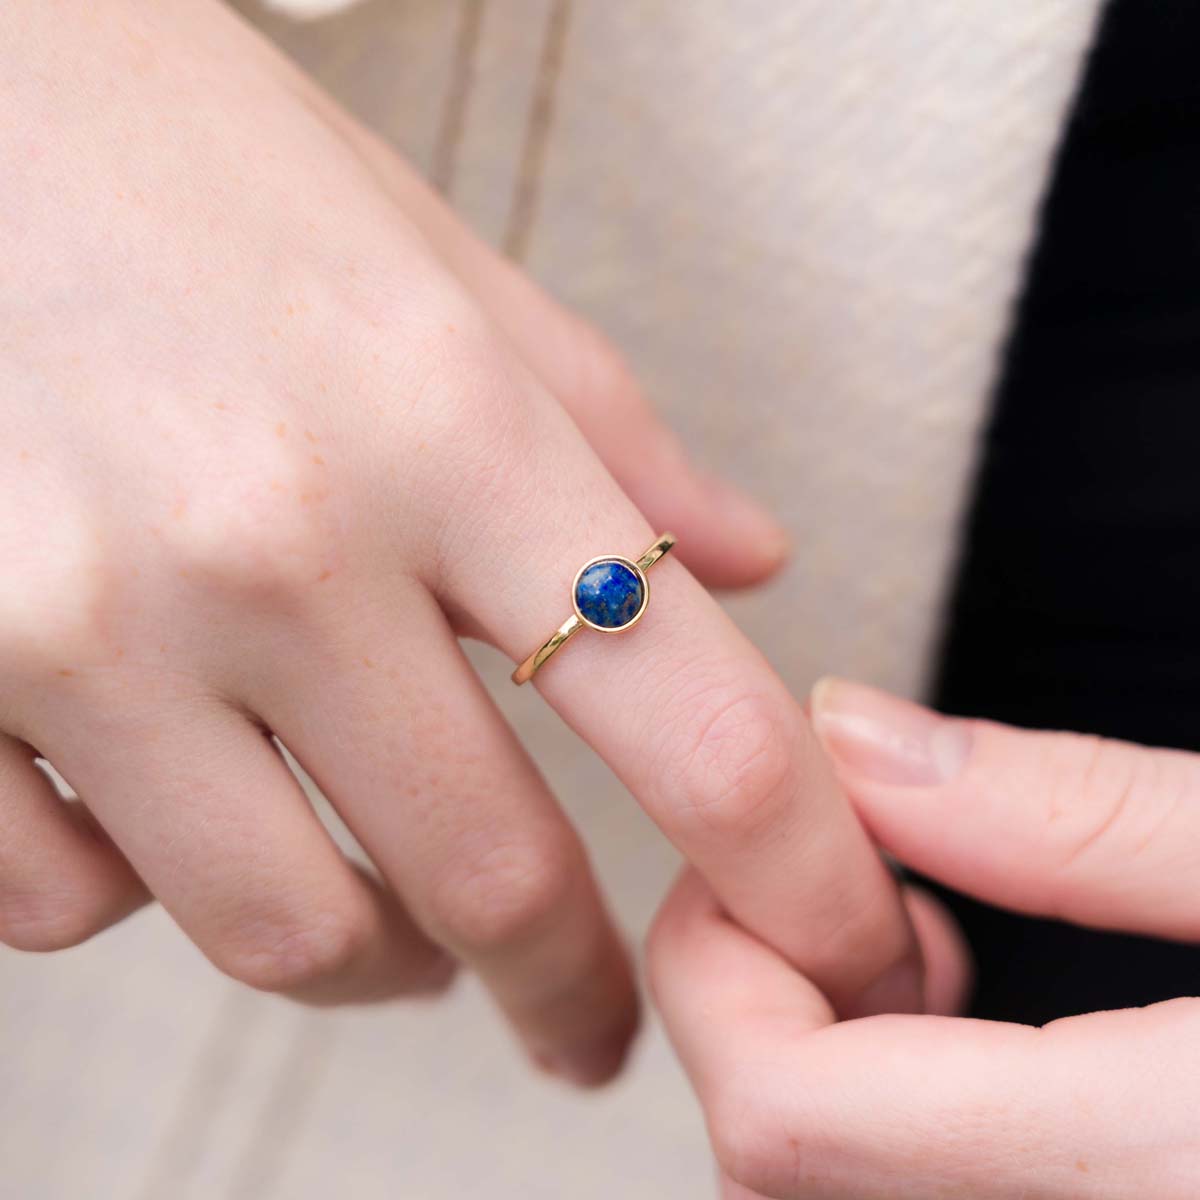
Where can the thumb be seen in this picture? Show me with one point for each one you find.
(1088, 830)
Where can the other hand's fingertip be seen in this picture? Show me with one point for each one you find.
(874, 735)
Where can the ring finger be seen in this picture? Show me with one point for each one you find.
(207, 813)
(686, 712)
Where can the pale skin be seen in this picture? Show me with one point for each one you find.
(278, 431)
(800, 1105)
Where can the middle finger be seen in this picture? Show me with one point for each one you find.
(398, 731)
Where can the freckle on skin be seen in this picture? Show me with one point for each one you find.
(24, 456)
(64, 671)
(324, 575)
(1081, 1166)
(312, 437)
(367, 662)
(221, 407)
(179, 509)
(318, 461)
(291, 310)
(281, 430)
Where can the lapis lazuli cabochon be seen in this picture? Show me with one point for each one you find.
(608, 594)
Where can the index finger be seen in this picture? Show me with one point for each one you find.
(686, 712)
(905, 1107)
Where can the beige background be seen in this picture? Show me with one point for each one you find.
(804, 222)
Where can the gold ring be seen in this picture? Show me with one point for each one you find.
(608, 593)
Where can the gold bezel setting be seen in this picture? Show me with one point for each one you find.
(621, 560)
(527, 669)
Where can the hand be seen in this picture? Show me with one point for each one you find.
(277, 431)
(1096, 832)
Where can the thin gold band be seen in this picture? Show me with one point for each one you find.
(530, 667)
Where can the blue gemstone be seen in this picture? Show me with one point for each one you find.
(608, 594)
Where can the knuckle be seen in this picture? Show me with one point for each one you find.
(265, 533)
(44, 921)
(481, 416)
(505, 898)
(288, 955)
(732, 774)
(1108, 800)
(398, 296)
(465, 413)
(746, 1145)
(442, 365)
(56, 605)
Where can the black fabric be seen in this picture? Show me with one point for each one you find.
(1078, 600)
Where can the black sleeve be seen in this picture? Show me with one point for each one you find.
(1077, 604)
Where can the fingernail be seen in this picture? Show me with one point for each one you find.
(900, 989)
(887, 739)
(758, 526)
(587, 1066)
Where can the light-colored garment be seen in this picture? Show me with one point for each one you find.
(804, 221)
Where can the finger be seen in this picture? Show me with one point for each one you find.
(725, 996)
(402, 737)
(206, 811)
(61, 880)
(1092, 831)
(683, 709)
(728, 539)
(949, 970)
(903, 1108)
(730, 1190)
